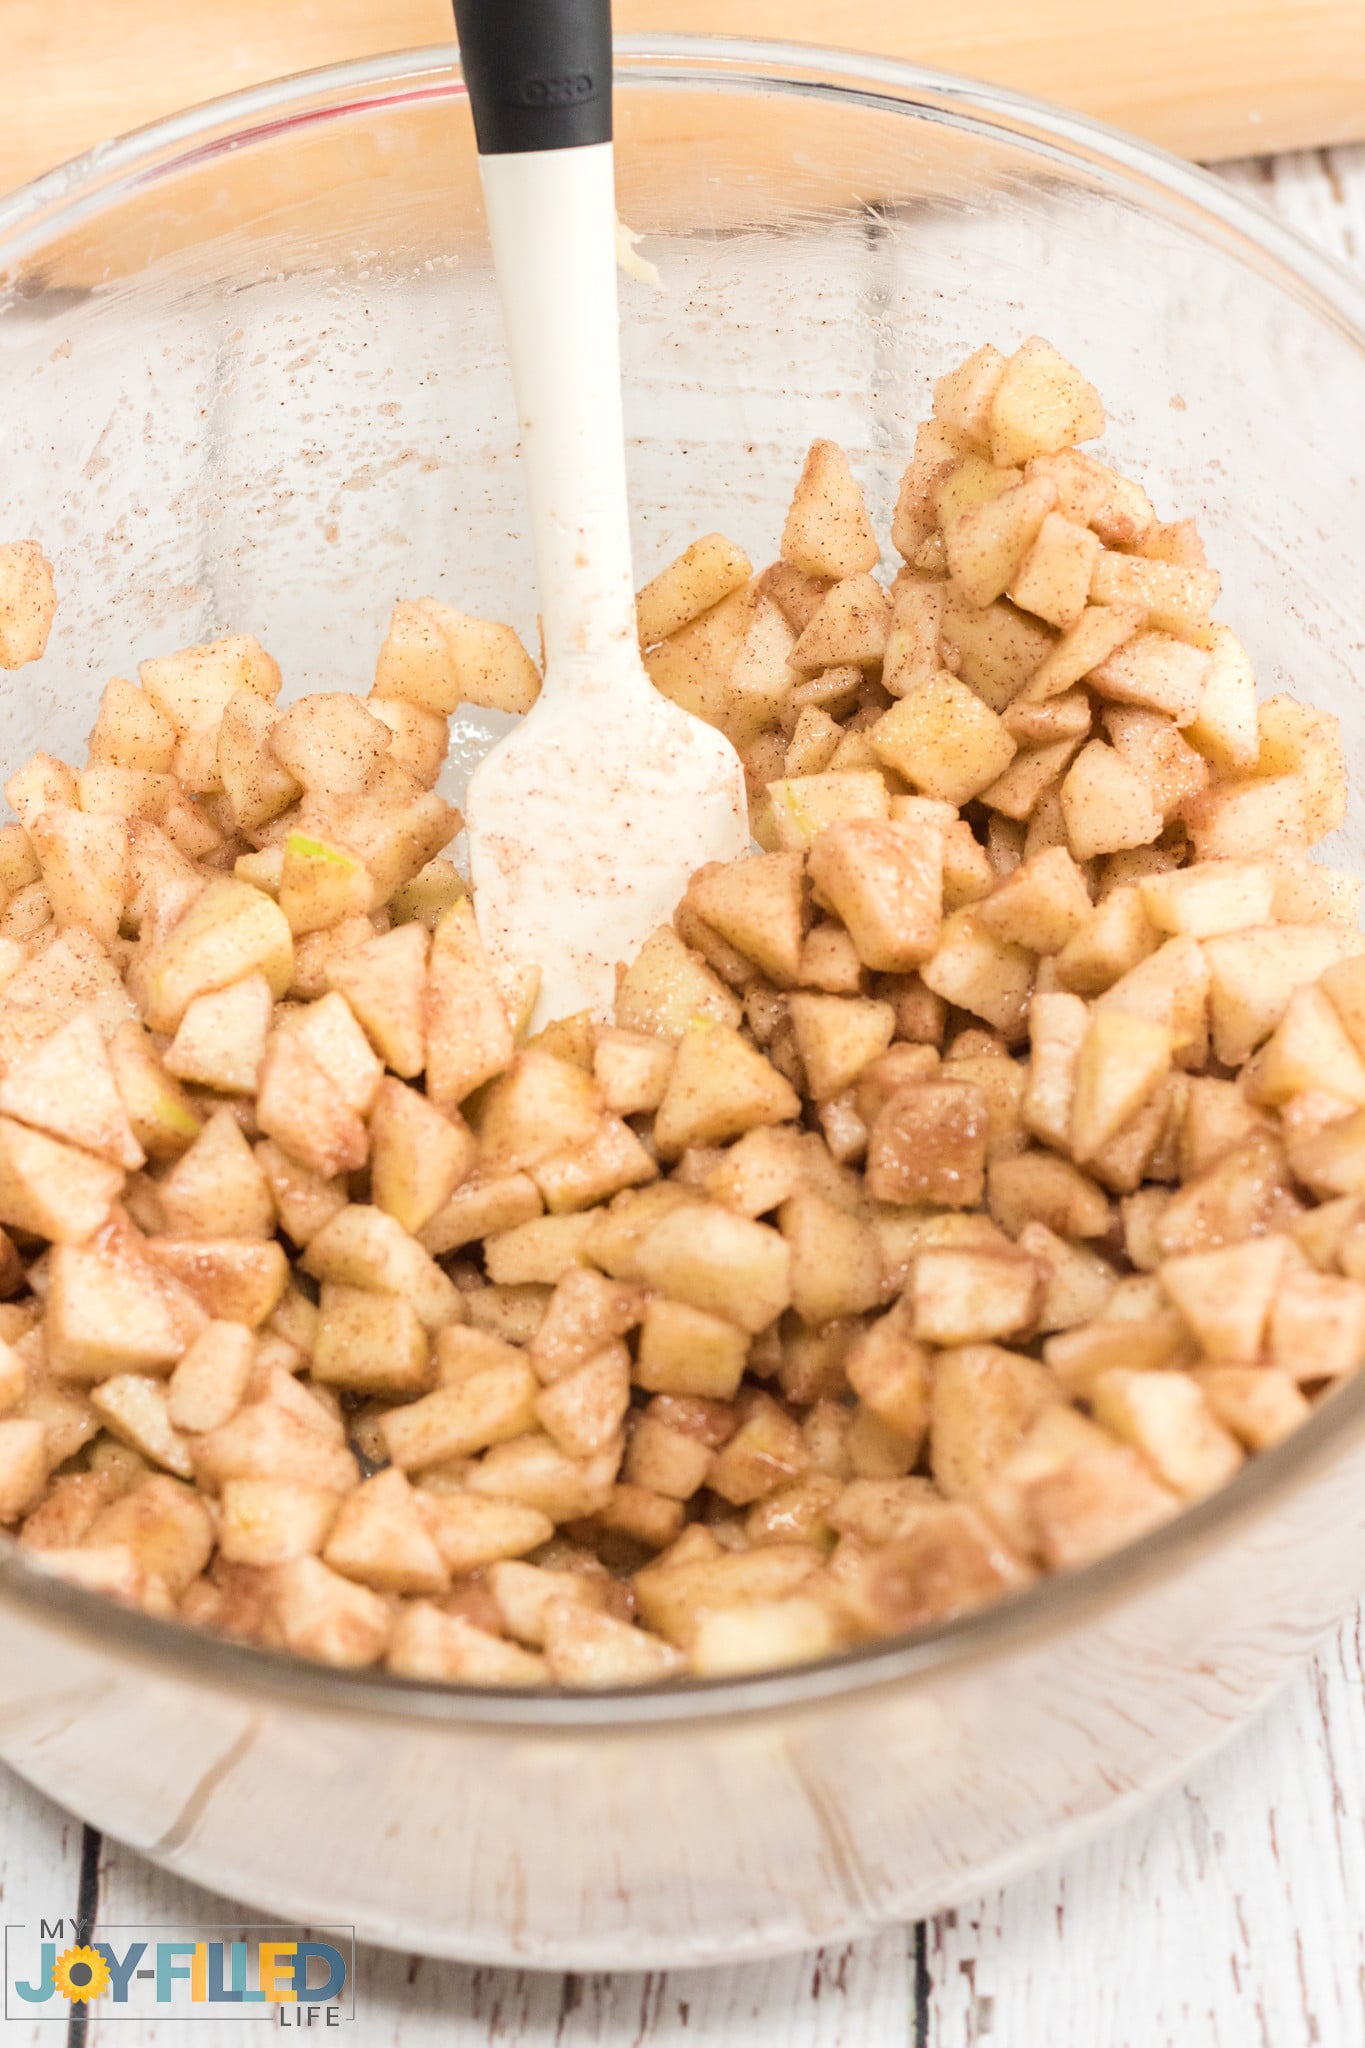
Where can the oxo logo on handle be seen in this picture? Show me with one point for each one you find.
(564, 91)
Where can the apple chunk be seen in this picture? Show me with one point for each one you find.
(885, 881)
(755, 904)
(828, 532)
(944, 740)
(28, 603)
(66, 1087)
(1041, 404)
(229, 932)
(718, 1088)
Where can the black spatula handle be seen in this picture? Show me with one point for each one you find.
(538, 72)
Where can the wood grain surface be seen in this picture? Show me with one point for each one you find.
(1227, 1915)
(1209, 78)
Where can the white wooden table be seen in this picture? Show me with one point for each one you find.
(1229, 1915)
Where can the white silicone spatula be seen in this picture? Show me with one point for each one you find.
(586, 821)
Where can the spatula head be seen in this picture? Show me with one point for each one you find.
(585, 824)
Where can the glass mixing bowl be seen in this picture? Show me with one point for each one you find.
(251, 378)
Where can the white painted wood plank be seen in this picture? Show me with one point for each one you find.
(857, 1996)
(134, 1894)
(1228, 1914)
(40, 1868)
(1321, 192)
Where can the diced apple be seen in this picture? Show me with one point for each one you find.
(719, 1087)
(1123, 1060)
(695, 665)
(1317, 1325)
(1306, 892)
(320, 1614)
(1297, 739)
(1176, 600)
(929, 1145)
(984, 1401)
(1253, 974)
(849, 628)
(835, 1260)
(229, 932)
(217, 1188)
(701, 576)
(1096, 1503)
(440, 658)
(1308, 1049)
(220, 1040)
(828, 532)
(1244, 1193)
(1044, 903)
(756, 904)
(28, 603)
(1259, 1405)
(539, 1106)
(963, 397)
(84, 863)
(1157, 671)
(837, 1037)
(133, 1407)
(1249, 820)
(913, 651)
(320, 884)
(1169, 986)
(610, 1159)
(363, 1246)
(963, 1296)
(1166, 1416)
(370, 1342)
(211, 1379)
(194, 687)
(298, 1105)
(536, 1254)
(534, 1471)
(1225, 1295)
(1053, 580)
(803, 806)
(468, 1037)
(1097, 634)
(257, 785)
(1224, 727)
(813, 742)
(1107, 804)
(52, 1189)
(713, 1260)
(479, 1207)
(236, 1280)
(631, 1068)
(66, 1087)
(1211, 897)
(665, 986)
(995, 648)
(419, 1155)
(885, 882)
(939, 448)
(1041, 404)
(981, 972)
(1038, 1187)
(986, 546)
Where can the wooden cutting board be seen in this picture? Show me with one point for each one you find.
(1207, 78)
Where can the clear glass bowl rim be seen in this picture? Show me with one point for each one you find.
(78, 191)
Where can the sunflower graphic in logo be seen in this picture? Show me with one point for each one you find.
(81, 1974)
